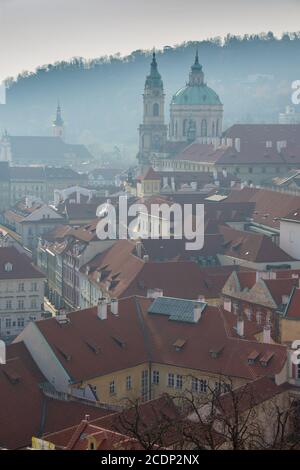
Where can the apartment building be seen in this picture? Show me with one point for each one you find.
(21, 292)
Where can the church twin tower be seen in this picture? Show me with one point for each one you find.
(196, 114)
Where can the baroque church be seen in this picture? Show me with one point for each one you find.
(196, 115)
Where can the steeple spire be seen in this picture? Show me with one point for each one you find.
(58, 123)
(154, 80)
(196, 74)
(58, 120)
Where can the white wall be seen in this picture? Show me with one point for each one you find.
(13, 320)
(290, 238)
(45, 358)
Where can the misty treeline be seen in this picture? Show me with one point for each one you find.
(101, 98)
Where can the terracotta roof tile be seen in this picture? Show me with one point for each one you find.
(22, 267)
(161, 334)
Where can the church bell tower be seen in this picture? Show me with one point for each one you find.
(58, 123)
(153, 131)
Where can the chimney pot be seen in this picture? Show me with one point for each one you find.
(114, 306)
(240, 325)
(2, 352)
(197, 312)
(102, 309)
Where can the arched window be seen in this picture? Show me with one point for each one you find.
(176, 128)
(156, 109)
(203, 128)
(185, 127)
(213, 129)
(217, 127)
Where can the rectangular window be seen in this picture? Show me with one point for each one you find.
(21, 287)
(8, 305)
(203, 385)
(128, 382)
(34, 286)
(20, 304)
(179, 381)
(20, 322)
(199, 385)
(112, 387)
(33, 303)
(194, 384)
(171, 380)
(8, 323)
(155, 377)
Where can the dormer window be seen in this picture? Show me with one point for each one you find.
(252, 358)
(216, 352)
(179, 344)
(8, 267)
(264, 361)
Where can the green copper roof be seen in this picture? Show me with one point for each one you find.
(154, 79)
(176, 309)
(196, 65)
(195, 95)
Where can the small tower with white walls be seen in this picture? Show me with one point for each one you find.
(58, 123)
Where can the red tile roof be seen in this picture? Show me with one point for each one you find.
(250, 395)
(25, 410)
(22, 267)
(269, 205)
(148, 337)
(150, 175)
(264, 132)
(293, 307)
(252, 246)
(280, 287)
(151, 413)
(131, 275)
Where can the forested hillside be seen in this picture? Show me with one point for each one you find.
(101, 99)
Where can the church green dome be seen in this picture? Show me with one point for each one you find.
(196, 95)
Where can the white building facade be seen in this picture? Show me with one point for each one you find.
(21, 292)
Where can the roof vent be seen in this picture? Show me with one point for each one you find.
(8, 267)
(179, 344)
(253, 357)
(216, 352)
(266, 358)
(61, 317)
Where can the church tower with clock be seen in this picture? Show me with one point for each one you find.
(153, 131)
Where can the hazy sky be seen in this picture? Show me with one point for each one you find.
(35, 32)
